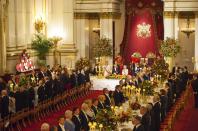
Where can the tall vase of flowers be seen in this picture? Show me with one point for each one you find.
(169, 48)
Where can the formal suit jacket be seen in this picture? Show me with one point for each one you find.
(139, 128)
(115, 70)
(4, 106)
(156, 116)
(95, 109)
(59, 128)
(69, 125)
(84, 121)
(41, 93)
(101, 105)
(48, 89)
(195, 85)
(146, 121)
(77, 122)
(117, 98)
(74, 80)
(107, 101)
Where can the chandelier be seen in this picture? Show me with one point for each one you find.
(188, 30)
(143, 30)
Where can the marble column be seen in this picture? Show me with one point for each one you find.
(81, 31)
(106, 30)
(3, 20)
(196, 42)
(171, 24)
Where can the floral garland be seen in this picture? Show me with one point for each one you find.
(102, 48)
(147, 88)
(82, 63)
(169, 47)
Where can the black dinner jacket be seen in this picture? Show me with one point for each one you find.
(156, 116)
(76, 122)
(95, 110)
(117, 98)
(107, 101)
(59, 128)
(139, 128)
(84, 121)
(4, 106)
(101, 105)
(146, 121)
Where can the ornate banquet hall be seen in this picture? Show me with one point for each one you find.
(98, 65)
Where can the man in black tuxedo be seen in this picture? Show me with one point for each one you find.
(195, 89)
(164, 103)
(48, 88)
(137, 124)
(48, 71)
(4, 108)
(94, 106)
(76, 119)
(116, 69)
(156, 113)
(87, 72)
(81, 77)
(101, 99)
(84, 118)
(107, 101)
(2, 84)
(61, 121)
(146, 118)
(74, 79)
(118, 96)
(41, 92)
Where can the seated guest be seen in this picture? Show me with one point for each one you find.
(94, 106)
(61, 121)
(45, 127)
(116, 69)
(125, 71)
(137, 124)
(146, 118)
(107, 102)
(69, 125)
(90, 112)
(48, 88)
(84, 118)
(156, 113)
(4, 105)
(101, 100)
(118, 96)
(76, 118)
(163, 101)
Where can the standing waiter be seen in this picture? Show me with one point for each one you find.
(195, 89)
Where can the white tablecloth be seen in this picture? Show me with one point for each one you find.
(99, 84)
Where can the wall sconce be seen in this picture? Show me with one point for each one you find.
(188, 30)
(96, 30)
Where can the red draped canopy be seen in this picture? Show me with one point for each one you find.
(149, 12)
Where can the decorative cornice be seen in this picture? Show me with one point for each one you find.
(170, 14)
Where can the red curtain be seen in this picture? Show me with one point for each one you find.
(138, 12)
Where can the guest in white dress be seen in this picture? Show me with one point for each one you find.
(107, 70)
(125, 71)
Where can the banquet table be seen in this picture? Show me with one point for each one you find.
(99, 84)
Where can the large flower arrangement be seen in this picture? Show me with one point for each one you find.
(108, 119)
(102, 48)
(160, 67)
(42, 45)
(147, 88)
(82, 63)
(169, 47)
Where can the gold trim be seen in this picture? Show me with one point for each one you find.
(170, 14)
